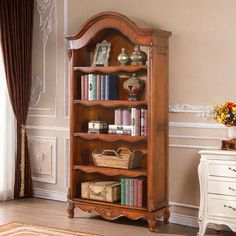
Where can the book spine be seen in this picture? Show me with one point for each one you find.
(145, 122)
(98, 87)
(126, 191)
(135, 192)
(131, 194)
(82, 87)
(94, 87)
(140, 192)
(122, 191)
(107, 85)
(137, 122)
(90, 87)
(126, 117)
(113, 88)
(86, 87)
(133, 121)
(118, 117)
(142, 122)
(102, 87)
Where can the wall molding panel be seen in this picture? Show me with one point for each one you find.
(198, 110)
(43, 73)
(49, 128)
(43, 156)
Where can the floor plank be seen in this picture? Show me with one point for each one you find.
(53, 214)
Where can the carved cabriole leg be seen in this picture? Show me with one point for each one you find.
(202, 228)
(70, 209)
(152, 223)
(166, 216)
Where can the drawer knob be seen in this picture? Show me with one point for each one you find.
(230, 168)
(230, 207)
(232, 189)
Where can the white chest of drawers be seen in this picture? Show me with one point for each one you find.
(217, 177)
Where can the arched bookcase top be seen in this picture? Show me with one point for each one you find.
(115, 21)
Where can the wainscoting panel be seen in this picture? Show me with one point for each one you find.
(43, 157)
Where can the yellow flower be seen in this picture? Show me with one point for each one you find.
(222, 116)
(219, 120)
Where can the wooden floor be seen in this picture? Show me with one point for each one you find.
(53, 214)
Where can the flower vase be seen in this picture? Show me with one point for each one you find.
(232, 132)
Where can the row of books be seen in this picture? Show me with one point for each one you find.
(133, 192)
(99, 87)
(129, 122)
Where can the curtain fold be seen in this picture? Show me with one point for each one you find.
(7, 140)
(16, 32)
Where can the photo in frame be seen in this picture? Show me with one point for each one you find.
(101, 55)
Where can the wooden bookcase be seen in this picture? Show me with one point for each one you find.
(121, 32)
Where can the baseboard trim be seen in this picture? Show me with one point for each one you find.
(49, 194)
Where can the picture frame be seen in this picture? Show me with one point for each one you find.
(102, 53)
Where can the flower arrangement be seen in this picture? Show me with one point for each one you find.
(225, 113)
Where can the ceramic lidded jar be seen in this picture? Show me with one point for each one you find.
(138, 57)
(133, 86)
(123, 58)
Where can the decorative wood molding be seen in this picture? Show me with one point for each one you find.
(109, 213)
(42, 159)
(198, 110)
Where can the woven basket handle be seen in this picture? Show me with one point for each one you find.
(110, 151)
(125, 149)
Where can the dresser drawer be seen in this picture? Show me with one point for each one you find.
(221, 206)
(223, 169)
(222, 187)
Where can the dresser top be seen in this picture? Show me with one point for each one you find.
(217, 152)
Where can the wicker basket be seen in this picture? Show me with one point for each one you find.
(123, 158)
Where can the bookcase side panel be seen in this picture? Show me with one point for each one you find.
(158, 128)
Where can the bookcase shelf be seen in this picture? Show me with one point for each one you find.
(152, 176)
(108, 204)
(111, 171)
(111, 103)
(110, 137)
(109, 69)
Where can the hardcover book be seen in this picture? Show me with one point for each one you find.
(133, 121)
(111, 88)
(123, 192)
(86, 87)
(102, 87)
(135, 192)
(127, 184)
(142, 186)
(131, 192)
(98, 87)
(137, 122)
(92, 87)
(118, 117)
(142, 122)
(82, 87)
(126, 117)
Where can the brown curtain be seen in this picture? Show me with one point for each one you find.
(16, 32)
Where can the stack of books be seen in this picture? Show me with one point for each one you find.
(99, 87)
(129, 122)
(133, 192)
